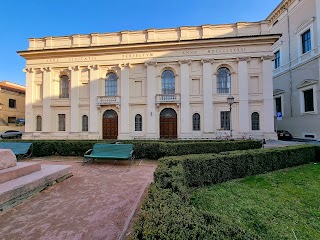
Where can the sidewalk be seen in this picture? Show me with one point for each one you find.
(96, 203)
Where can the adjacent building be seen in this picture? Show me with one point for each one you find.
(151, 84)
(296, 67)
(12, 103)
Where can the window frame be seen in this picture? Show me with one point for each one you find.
(85, 123)
(196, 122)
(255, 123)
(61, 128)
(225, 125)
(12, 102)
(223, 82)
(312, 87)
(38, 125)
(138, 123)
(64, 88)
(308, 41)
(277, 59)
(168, 86)
(111, 85)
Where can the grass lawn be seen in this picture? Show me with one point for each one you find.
(278, 205)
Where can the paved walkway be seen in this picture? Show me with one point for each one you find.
(96, 203)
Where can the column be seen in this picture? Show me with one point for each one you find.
(151, 96)
(29, 116)
(185, 99)
(46, 116)
(74, 98)
(94, 87)
(267, 95)
(244, 115)
(207, 96)
(124, 132)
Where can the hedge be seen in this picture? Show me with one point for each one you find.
(167, 213)
(143, 149)
(203, 169)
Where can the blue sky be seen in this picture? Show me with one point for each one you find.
(23, 19)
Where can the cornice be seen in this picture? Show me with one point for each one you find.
(279, 10)
(78, 51)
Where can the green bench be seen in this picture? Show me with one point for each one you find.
(109, 151)
(20, 149)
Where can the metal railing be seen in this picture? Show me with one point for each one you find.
(168, 98)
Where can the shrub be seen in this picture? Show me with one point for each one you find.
(143, 149)
(207, 168)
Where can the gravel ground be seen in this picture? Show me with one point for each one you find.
(97, 202)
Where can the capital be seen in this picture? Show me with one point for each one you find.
(27, 70)
(268, 57)
(153, 64)
(207, 60)
(185, 61)
(247, 59)
(46, 69)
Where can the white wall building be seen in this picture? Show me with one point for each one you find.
(151, 84)
(296, 66)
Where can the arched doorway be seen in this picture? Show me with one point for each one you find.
(110, 124)
(168, 123)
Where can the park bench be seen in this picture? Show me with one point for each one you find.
(109, 151)
(20, 149)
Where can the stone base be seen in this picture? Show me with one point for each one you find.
(7, 159)
(21, 169)
(15, 191)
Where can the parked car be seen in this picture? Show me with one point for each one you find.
(284, 135)
(11, 134)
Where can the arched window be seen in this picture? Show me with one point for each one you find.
(84, 123)
(64, 86)
(168, 82)
(111, 85)
(138, 123)
(223, 80)
(255, 122)
(39, 123)
(196, 122)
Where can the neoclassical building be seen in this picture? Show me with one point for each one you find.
(151, 84)
(296, 68)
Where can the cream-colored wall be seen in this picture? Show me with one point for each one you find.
(297, 67)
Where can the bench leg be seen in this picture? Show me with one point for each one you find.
(86, 160)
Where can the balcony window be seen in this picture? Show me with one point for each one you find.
(64, 87)
(168, 82)
(223, 80)
(111, 85)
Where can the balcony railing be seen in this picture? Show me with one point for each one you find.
(108, 100)
(168, 98)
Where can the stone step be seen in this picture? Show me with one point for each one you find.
(15, 191)
(21, 169)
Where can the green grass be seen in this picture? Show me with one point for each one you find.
(279, 205)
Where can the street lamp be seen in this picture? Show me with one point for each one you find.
(230, 100)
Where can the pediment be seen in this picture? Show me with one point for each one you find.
(277, 92)
(305, 24)
(307, 82)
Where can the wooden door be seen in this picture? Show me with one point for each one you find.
(168, 124)
(110, 125)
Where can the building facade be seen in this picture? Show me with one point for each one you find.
(296, 67)
(151, 84)
(12, 103)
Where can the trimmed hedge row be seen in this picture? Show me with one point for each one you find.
(143, 149)
(167, 212)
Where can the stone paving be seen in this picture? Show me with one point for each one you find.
(96, 203)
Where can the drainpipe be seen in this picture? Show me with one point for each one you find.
(290, 72)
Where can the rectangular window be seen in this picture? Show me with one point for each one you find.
(306, 41)
(277, 59)
(278, 104)
(62, 122)
(225, 120)
(12, 103)
(12, 119)
(308, 100)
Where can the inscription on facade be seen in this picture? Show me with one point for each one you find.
(72, 59)
(227, 50)
(137, 55)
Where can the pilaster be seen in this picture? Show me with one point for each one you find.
(185, 99)
(124, 132)
(151, 96)
(318, 22)
(244, 115)
(46, 116)
(94, 87)
(74, 98)
(267, 94)
(29, 117)
(207, 96)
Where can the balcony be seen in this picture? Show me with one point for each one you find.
(167, 98)
(108, 100)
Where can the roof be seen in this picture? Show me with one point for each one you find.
(12, 86)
